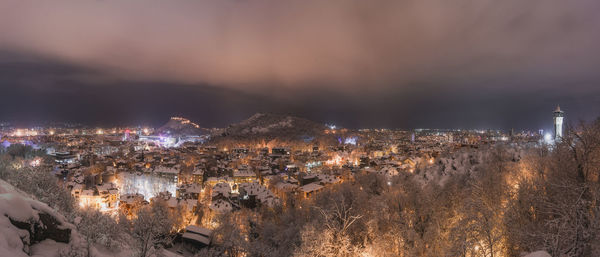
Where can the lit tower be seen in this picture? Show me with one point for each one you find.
(558, 122)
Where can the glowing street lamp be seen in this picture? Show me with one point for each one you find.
(548, 138)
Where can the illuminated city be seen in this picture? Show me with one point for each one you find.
(299, 128)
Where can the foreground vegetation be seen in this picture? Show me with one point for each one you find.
(548, 200)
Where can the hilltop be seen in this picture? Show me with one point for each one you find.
(268, 126)
(181, 127)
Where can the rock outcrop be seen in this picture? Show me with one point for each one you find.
(25, 222)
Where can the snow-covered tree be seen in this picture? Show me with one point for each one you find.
(152, 228)
(98, 228)
(556, 207)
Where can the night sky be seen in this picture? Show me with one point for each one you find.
(390, 64)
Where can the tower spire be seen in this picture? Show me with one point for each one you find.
(557, 108)
(558, 123)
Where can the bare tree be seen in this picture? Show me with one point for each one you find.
(97, 227)
(152, 228)
(231, 235)
(558, 209)
(333, 239)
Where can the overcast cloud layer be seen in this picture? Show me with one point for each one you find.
(294, 43)
(380, 48)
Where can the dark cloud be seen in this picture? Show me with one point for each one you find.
(345, 44)
(411, 63)
(70, 93)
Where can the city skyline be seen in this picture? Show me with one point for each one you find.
(555, 125)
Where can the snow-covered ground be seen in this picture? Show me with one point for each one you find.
(148, 185)
(19, 211)
(538, 254)
(464, 161)
(17, 208)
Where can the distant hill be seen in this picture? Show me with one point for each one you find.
(181, 127)
(267, 127)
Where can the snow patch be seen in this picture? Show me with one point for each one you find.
(538, 254)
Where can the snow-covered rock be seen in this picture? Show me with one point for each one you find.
(25, 222)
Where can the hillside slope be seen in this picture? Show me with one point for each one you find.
(28, 226)
(178, 126)
(267, 127)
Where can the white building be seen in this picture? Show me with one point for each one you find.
(558, 123)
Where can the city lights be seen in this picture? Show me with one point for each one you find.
(122, 174)
(548, 138)
(35, 163)
(308, 128)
